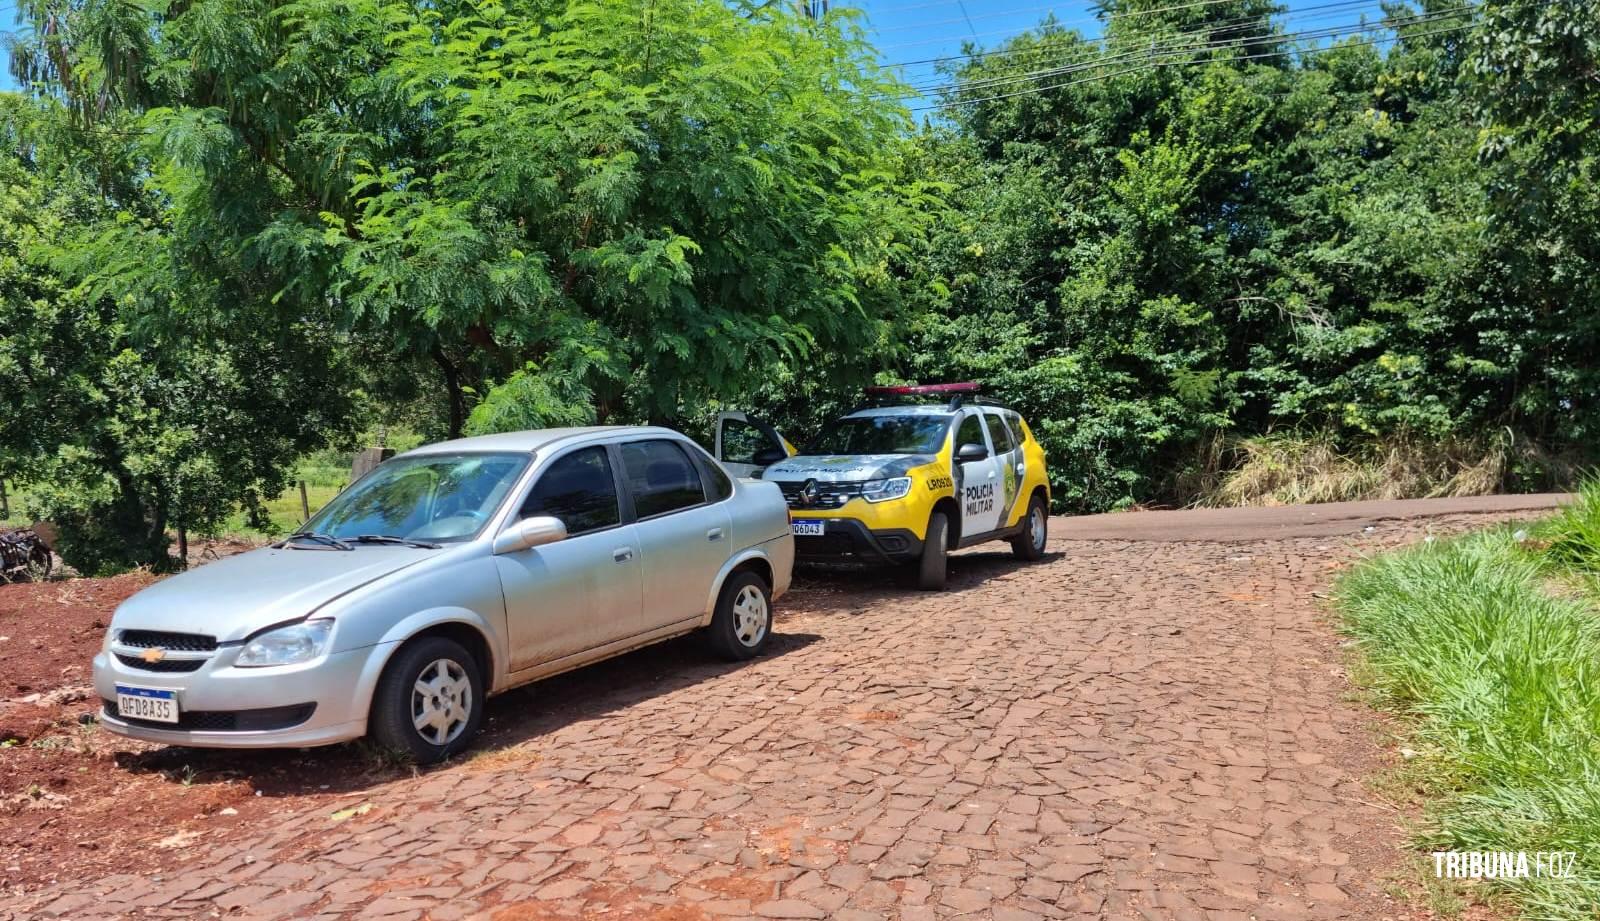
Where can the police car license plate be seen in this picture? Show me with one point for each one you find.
(803, 528)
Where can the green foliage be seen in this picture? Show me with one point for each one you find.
(255, 226)
(1571, 539)
(644, 204)
(1146, 258)
(1502, 679)
(122, 420)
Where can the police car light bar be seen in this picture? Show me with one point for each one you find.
(913, 389)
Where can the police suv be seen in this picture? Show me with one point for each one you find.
(903, 482)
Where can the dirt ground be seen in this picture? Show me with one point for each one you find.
(1153, 728)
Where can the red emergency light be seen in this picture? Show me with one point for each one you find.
(913, 389)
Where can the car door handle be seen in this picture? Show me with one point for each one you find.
(622, 554)
(714, 534)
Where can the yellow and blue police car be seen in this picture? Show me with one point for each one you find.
(901, 481)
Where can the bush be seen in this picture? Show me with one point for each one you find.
(1289, 468)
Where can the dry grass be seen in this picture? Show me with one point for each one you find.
(1293, 468)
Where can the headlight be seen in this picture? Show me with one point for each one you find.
(884, 490)
(289, 645)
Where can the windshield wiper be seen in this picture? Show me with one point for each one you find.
(328, 540)
(391, 539)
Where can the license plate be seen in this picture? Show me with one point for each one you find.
(147, 704)
(803, 528)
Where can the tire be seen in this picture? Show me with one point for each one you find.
(398, 704)
(1030, 544)
(932, 568)
(741, 625)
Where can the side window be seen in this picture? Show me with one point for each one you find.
(1014, 424)
(661, 477)
(577, 488)
(998, 433)
(970, 432)
(741, 441)
(718, 486)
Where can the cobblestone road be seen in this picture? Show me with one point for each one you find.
(1126, 730)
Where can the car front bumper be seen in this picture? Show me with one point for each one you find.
(846, 540)
(221, 706)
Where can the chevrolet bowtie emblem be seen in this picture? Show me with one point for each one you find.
(153, 654)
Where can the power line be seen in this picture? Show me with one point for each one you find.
(1040, 49)
(1194, 4)
(1173, 49)
(1160, 64)
(1209, 32)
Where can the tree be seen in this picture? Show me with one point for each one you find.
(1198, 227)
(140, 398)
(643, 204)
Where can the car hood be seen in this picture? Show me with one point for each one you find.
(238, 595)
(844, 468)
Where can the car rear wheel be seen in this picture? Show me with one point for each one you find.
(933, 566)
(1029, 545)
(429, 702)
(741, 625)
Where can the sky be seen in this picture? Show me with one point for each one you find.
(916, 30)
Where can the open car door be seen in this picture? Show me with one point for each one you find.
(747, 445)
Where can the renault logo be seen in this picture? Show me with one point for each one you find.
(810, 493)
(153, 654)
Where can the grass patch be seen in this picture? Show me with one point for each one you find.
(1499, 675)
(1570, 540)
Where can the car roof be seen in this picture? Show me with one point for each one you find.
(535, 439)
(914, 409)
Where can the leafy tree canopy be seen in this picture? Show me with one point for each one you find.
(642, 204)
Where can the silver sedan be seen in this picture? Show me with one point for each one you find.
(450, 573)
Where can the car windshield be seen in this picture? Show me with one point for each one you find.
(432, 497)
(887, 434)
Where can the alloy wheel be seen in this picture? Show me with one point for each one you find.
(441, 701)
(750, 616)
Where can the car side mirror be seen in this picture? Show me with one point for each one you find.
(766, 457)
(529, 533)
(970, 452)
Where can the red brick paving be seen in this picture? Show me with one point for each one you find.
(1126, 730)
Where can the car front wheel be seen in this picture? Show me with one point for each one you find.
(932, 567)
(429, 702)
(741, 625)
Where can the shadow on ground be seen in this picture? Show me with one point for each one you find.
(511, 719)
(591, 692)
(838, 590)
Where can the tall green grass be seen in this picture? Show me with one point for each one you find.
(1482, 642)
(1571, 538)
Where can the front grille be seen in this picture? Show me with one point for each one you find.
(165, 665)
(263, 720)
(829, 495)
(184, 642)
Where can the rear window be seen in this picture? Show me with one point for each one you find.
(999, 433)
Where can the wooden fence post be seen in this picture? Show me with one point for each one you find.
(305, 504)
